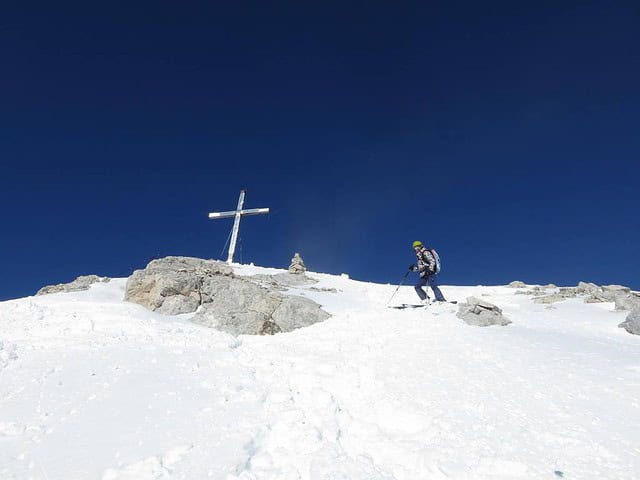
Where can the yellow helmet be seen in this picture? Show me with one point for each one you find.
(417, 243)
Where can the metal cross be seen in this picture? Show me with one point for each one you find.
(239, 212)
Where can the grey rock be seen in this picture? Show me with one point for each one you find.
(175, 304)
(629, 301)
(632, 322)
(536, 290)
(283, 281)
(596, 294)
(548, 299)
(233, 304)
(481, 313)
(292, 280)
(597, 297)
(297, 264)
(83, 282)
(517, 284)
(254, 310)
(550, 286)
(297, 312)
(568, 292)
(267, 281)
(615, 289)
(324, 289)
(586, 288)
(174, 285)
(270, 328)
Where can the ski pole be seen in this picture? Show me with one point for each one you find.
(398, 287)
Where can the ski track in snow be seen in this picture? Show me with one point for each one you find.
(94, 387)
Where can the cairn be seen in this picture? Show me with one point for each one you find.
(297, 265)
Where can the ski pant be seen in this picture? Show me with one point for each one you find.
(429, 280)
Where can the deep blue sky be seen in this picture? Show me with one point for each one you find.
(505, 134)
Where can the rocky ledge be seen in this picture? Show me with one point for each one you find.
(221, 299)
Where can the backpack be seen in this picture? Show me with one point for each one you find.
(436, 257)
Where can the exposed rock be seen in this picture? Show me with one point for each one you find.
(584, 287)
(550, 286)
(81, 283)
(259, 312)
(629, 301)
(536, 290)
(297, 264)
(324, 289)
(481, 313)
(615, 289)
(597, 297)
(548, 299)
(568, 292)
(174, 285)
(292, 280)
(595, 294)
(282, 281)
(517, 284)
(297, 312)
(237, 305)
(270, 328)
(632, 323)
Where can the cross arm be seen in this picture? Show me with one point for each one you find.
(251, 211)
(254, 211)
(222, 214)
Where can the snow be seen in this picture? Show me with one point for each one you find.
(92, 387)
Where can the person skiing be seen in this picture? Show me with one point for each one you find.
(427, 268)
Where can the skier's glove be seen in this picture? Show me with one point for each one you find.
(413, 268)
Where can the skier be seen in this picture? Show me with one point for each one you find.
(428, 271)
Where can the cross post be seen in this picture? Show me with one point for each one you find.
(238, 213)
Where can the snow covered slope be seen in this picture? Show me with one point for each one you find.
(92, 387)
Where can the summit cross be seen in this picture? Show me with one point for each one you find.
(238, 213)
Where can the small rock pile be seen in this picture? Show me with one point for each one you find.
(83, 282)
(297, 265)
(481, 313)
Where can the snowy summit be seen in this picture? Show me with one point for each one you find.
(96, 387)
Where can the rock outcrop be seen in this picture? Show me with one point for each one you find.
(481, 313)
(83, 282)
(174, 285)
(629, 301)
(615, 289)
(585, 288)
(222, 300)
(597, 297)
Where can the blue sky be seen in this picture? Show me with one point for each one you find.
(505, 134)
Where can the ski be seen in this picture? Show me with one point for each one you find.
(402, 306)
